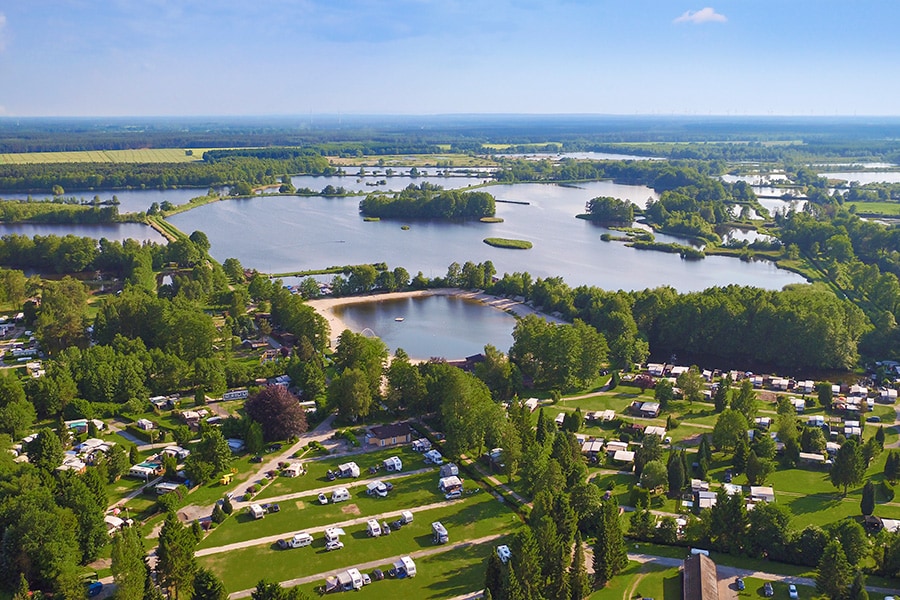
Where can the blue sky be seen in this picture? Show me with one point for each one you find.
(296, 57)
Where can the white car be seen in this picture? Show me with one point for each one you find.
(334, 545)
(792, 592)
(323, 499)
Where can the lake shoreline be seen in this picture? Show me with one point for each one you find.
(325, 306)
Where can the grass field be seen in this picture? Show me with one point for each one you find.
(417, 490)
(877, 208)
(478, 516)
(144, 155)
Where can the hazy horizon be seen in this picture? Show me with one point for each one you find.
(228, 58)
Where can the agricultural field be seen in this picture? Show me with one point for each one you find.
(144, 155)
(876, 208)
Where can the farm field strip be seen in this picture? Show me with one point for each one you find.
(144, 155)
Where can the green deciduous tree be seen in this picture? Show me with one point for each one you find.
(849, 468)
(730, 427)
(745, 401)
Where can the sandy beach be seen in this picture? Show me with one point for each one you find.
(325, 306)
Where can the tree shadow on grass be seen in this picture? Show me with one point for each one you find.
(815, 503)
(672, 588)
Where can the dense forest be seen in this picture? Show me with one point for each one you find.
(428, 201)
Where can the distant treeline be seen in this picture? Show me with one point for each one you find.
(222, 169)
(12, 211)
(428, 201)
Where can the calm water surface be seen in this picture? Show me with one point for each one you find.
(284, 234)
(111, 231)
(432, 326)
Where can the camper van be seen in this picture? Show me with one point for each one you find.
(433, 457)
(439, 533)
(257, 511)
(373, 528)
(340, 494)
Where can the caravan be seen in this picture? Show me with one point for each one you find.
(393, 464)
(340, 494)
(403, 567)
(350, 469)
(257, 511)
(373, 528)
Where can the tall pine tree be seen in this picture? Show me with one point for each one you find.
(610, 555)
(579, 583)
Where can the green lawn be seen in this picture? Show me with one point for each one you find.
(316, 470)
(417, 490)
(642, 580)
(478, 516)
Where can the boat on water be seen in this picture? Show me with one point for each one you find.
(398, 319)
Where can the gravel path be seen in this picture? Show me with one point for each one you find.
(377, 563)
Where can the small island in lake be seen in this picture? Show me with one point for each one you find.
(507, 243)
(428, 201)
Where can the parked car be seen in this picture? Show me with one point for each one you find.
(768, 592)
(388, 485)
(395, 525)
(377, 575)
(874, 419)
(740, 583)
(385, 528)
(256, 459)
(366, 579)
(283, 544)
(323, 499)
(453, 495)
(274, 447)
(728, 476)
(274, 508)
(334, 545)
(792, 592)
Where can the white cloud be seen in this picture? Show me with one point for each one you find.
(704, 15)
(2, 28)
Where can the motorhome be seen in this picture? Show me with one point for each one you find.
(439, 533)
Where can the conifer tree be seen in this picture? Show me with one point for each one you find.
(493, 577)
(610, 555)
(867, 504)
(128, 568)
(176, 564)
(858, 587)
(208, 587)
(833, 575)
(579, 584)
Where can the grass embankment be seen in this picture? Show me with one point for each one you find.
(169, 231)
(491, 220)
(439, 161)
(476, 517)
(508, 243)
(144, 155)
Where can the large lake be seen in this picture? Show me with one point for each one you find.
(432, 326)
(283, 234)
